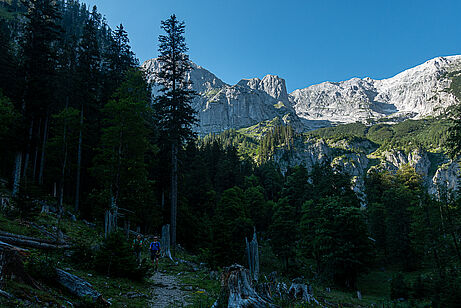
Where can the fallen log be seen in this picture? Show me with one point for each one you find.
(21, 251)
(36, 243)
(6, 294)
(45, 232)
(237, 290)
(78, 287)
(27, 238)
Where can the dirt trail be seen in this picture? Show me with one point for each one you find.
(166, 292)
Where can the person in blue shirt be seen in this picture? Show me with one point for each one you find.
(155, 252)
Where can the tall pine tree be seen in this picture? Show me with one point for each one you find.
(173, 107)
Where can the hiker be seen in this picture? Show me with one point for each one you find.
(155, 252)
(137, 246)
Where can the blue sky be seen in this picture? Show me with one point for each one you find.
(305, 42)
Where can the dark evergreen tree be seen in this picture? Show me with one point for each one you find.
(334, 234)
(230, 227)
(120, 165)
(88, 71)
(39, 53)
(284, 231)
(175, 114)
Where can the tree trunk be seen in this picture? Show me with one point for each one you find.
(34, 172)
(174, 194)
(79, 163)
(17, 173)
(42, 158)
(29, 144)
(63, 169)
(165, 242)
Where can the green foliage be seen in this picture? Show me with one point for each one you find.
(430, 133)
(8, 116)
(334, 234)
(278, 136)
(231, 225)
(399, 288)
(41, 268)
(391, 197)
(116, 258)
(120, 165)
(283, 231)
(83, 255)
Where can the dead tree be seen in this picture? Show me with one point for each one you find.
(110, 222)
(253, 257)
(165, 242)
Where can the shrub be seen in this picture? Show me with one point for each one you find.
(83, 255)
(41, 268)
(116, 258)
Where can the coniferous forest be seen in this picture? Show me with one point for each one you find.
(83, 138)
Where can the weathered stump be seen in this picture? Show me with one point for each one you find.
(237, 290)
(12, 264)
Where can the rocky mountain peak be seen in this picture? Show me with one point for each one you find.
(413, 93)
(271, 84)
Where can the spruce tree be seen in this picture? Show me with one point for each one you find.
(119, 165)
(39, 50)
(175, 114)
(88, 71)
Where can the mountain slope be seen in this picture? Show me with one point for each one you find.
(414, 93)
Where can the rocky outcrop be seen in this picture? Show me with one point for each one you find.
(353, 158)
(418, 159)
(221, 106)
(271, 84)
(414, 93)
(446, 177)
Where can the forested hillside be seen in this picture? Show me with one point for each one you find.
(352, 215)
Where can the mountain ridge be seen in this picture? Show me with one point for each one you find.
(411, 94)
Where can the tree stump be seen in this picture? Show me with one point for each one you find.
(12, 264)
(237, 290)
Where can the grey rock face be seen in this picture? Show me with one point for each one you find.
(446, 177)
(271, 84)
(414, 93)
(351, 158)
(221, 106)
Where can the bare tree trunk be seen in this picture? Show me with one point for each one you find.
(34, 172)
(174, 194)
(63, 168)
(17, 173)
(42, 158)
(79, 163)
(29, 144)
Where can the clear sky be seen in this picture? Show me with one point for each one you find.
(304, 41)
